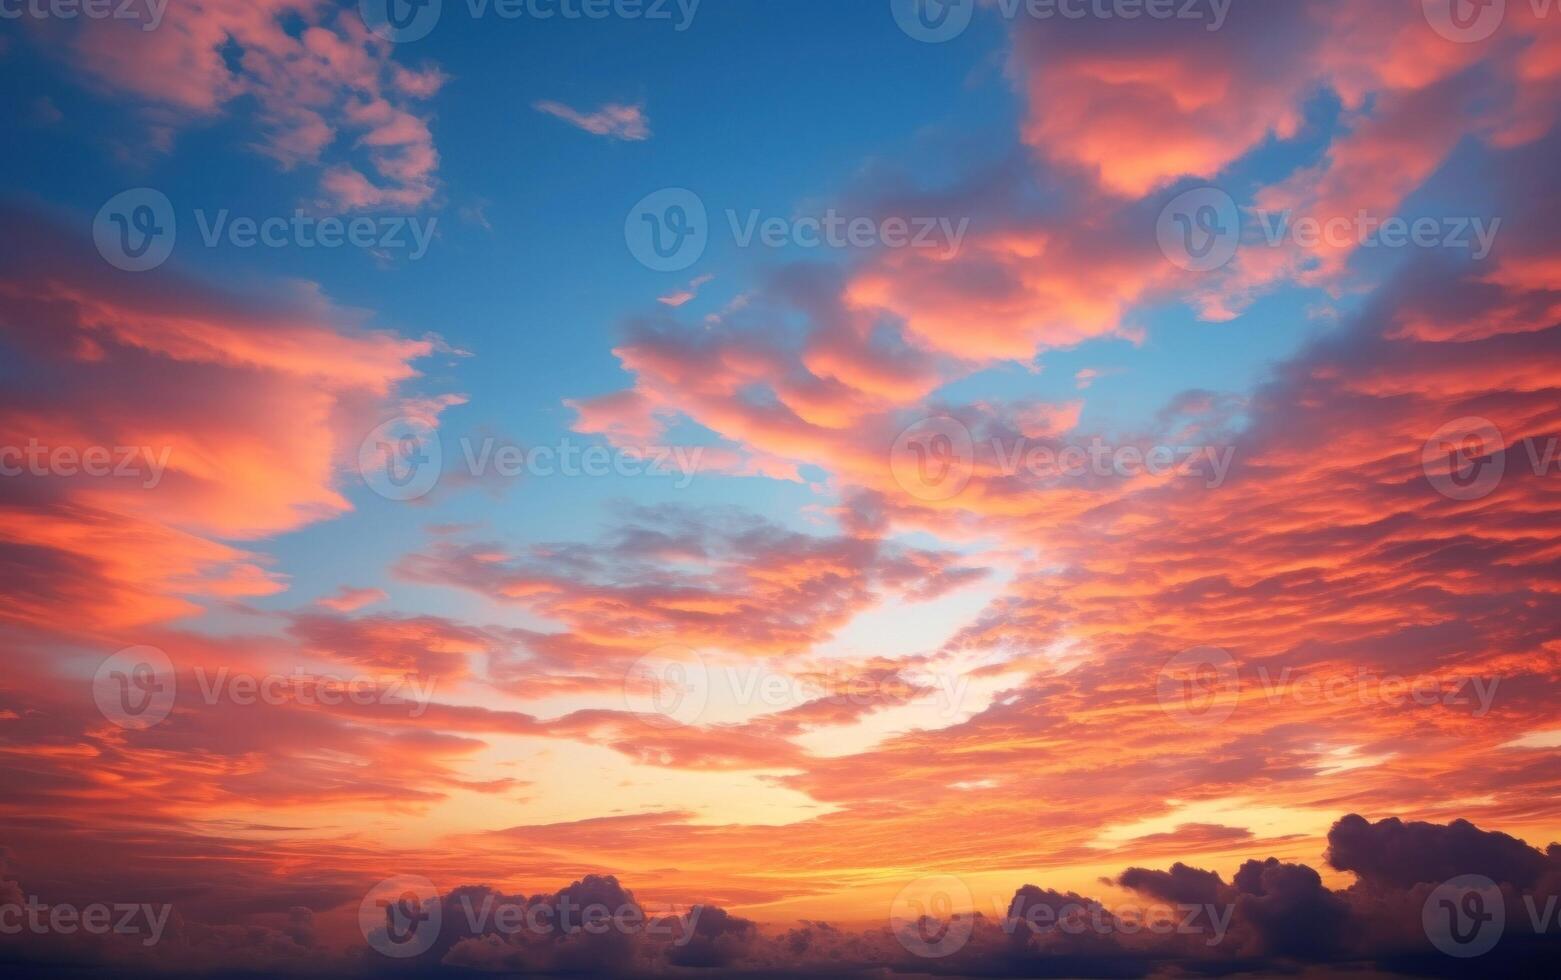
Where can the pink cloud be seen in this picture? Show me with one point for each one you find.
(314, 89)
(348, 599)
(614, 120)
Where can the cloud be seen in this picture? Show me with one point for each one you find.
(257, 404)
(614, 120)
(681, 296)
(349, 599)
(751, 586)
(323, 87)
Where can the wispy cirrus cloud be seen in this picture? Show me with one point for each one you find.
(615, 120)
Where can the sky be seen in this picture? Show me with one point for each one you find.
(845, 480)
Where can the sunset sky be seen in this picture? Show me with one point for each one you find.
(808, 461)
